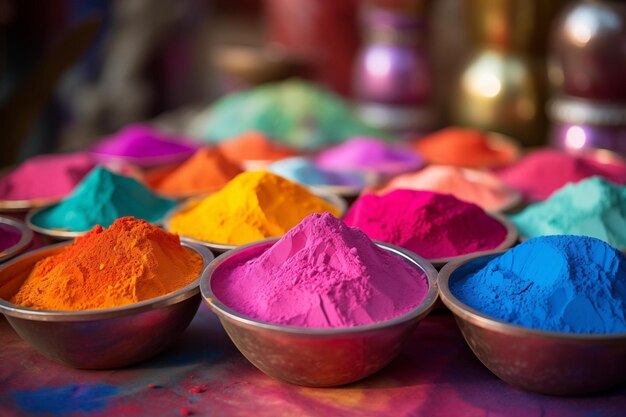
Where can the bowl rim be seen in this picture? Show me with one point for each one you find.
(177, 296)
(475, 317)
(26, 236)
(337, 201)
(417, 313)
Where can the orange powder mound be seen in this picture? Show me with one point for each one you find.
(205, 172)
(465, 147)
(254, 146)
(131, 261)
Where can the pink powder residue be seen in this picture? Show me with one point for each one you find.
(542, 172)
(322, 274)
(45, 176)
(479, 187)
(430, 224)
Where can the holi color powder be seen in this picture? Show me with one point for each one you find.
(254, 146)
(60, 401)
(305, 171)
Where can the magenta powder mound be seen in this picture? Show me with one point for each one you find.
(430, 224)
(45, 177)
(369, 154)
(144, 145)
(9, 236)
(542, 172)
(321, 274)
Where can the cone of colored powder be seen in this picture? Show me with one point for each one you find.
(367, 154)
(321, 274)
(205, 172)
(100, 199)
(305, 171)
(481, 188)
(465, 147)
(255, 205)
(253, 146)
(542, 172)
(592, 207)
(129, 262)
(432, 225)
(144, 146)
(45, 177)
(299, 114)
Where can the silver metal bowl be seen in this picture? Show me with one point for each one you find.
(98, 339)
(541, 361)
(25, 238)
(317, 357)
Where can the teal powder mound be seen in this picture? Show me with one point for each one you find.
(593, 207)
(100, 199)
(293, 112)
(571, 284)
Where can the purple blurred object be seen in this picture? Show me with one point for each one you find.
(144, 146)
(9, 236)
(392, 75)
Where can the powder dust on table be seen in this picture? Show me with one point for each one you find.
(322, 274)
(479, 187)
(9, 236)
(542, 172)
(465, 147)
(255, 205)
(430, 224)
(129, 262)
(45, 177)
(206, 171)
(572, 284)
(254, 146)
(592, 207)
(100, 199)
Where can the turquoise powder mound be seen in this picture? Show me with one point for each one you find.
(593, 207)
(573, 284)
(100, 199)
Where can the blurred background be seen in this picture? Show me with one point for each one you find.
(73, 71)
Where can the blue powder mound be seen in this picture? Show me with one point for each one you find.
(304, 171)
(572, 284)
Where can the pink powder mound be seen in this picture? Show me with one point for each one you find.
(322, 274)
(542, 172)
(45, 176)
(473, 186)
(430, 224)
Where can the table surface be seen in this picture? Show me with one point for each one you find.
(203, 374)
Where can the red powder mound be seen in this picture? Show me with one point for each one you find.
(430, 224)
(464, 147)
(254, 146)
(542, 172)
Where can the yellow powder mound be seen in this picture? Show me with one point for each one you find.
(253, 206)
(131, 261)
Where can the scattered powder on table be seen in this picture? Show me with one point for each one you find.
(255, 205)
(129, 262)
(369, 154)
(542, 172)
(9, 236)
(254, 146)
(430, 224)
(142, 141)
(464, 147)
(572, 284)
(45, 176)
(478, 187)
(322, 274)
(298, 114)
(206, 171)
(592, 207)
(304, 171)
(101, 198)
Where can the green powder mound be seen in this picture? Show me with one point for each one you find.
(593, 207)
(100, 199)
(293, 112)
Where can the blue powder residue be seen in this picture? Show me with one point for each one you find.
(572, 284)
(68, 399)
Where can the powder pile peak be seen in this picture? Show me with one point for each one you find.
(322, 274)
(253, 146)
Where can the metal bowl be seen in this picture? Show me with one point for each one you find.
(98, 339)
(25, 239)
(316, 357)
(334, 200)
(536, 360)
